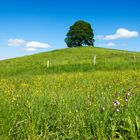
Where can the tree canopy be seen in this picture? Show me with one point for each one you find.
(80, 34)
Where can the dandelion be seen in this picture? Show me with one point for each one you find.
(13, 100)
(90, 103)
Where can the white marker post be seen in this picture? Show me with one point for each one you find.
(48, 63)
(134, 59)
(94, 60)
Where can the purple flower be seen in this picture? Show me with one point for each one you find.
(117, 103)
(126, 99)
(127, 95)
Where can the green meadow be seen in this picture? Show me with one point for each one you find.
(71, 99)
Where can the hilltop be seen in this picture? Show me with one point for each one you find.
(70, 60)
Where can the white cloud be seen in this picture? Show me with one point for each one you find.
(30, 49)
(120, 33)
(16, 42)
(29, 46)
(34, 44)
(110, 44)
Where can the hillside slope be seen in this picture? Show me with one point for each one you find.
(70, 60)
(73, 99)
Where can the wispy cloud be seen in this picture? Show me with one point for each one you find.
(30, 49)
(120, 33)
(29, 46)
(110, 44)
(34, 44)
(16, 42)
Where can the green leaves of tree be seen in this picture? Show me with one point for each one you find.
(80, 34)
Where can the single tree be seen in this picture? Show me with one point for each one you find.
(80, 34)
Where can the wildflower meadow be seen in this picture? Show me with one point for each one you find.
(71, 98)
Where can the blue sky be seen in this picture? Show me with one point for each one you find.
(32, 26)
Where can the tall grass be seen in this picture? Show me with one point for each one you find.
(72, 99)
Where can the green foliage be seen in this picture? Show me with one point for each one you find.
(79, 34)
(73, 99)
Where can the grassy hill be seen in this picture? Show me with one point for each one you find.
(70, 60)
(73, 99)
